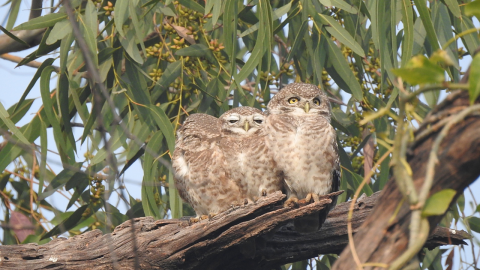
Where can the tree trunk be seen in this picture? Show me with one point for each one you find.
(381, 241)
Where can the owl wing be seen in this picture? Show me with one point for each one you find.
(200, 167)
(191, 148)
(336, 176)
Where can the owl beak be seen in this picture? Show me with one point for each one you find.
(246, 126)
(307, 107)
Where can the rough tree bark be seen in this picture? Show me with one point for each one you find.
(209, 244)
(378, 239)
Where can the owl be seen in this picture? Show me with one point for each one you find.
(200, 167)
(303, 144)
(249, 162)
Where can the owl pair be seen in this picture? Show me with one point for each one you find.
(247, 153)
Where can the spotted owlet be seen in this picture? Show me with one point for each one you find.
(304, 147)
(200, 167)
(249, 162)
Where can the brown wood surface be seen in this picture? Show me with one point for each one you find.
(378, 239)
(209, 244)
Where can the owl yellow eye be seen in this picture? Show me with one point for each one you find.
(316, 101)
(293, 100)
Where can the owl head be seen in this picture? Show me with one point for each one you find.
(242, 121)
(300, 99)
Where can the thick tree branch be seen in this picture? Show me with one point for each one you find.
(31, 37)
(209, 244)
(384, 235)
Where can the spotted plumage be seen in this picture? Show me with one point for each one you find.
(249, 162)
(201, 172)
(303, 144)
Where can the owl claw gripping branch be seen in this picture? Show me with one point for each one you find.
(246, 154)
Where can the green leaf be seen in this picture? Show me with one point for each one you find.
(420, 70)
(166, 11)
(471, 41)
(474, 223)
(407, 42)
(43, 157)
(454, 7)
(172, 72)
(176, 205)
(12, 36)
(192, 5)
(262, 44)
(149, 183)
(5, 117)
(89, 35)
(335, 58)
(48, 106)
(427, 22)
(130, 45)
(121, 15)
(42, 50)
(42, 22)
(39, 71)
(438, 203)
(336, 30)
(298, 41)
(276, 14)
(473, 82)
(164, 124)
(59, 31)
(63, 89)
(473, 9)
(67, 224)
(137, 26)
(60, 180)
(97, 106)
(12, 17)
(16, 116)
(230, 24)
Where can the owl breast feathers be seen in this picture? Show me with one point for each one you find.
(247, 153)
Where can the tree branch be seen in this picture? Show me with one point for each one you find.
(31, 37)
(384, 235)
(36, 9)
(212, 244)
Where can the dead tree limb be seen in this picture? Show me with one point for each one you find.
(209, 244)
(381, 240)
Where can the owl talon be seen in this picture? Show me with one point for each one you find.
(202, 217)
(291, 202)
(245, 202)
(211, 215)
(194, 220)
(311, 196)
(264, 193)
(308, 198)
